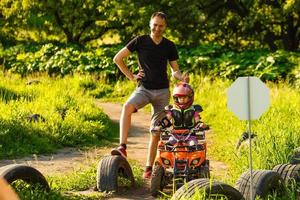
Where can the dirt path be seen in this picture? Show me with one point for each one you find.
(68, 159)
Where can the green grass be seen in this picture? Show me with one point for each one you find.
(70, 185)
(278, 129)
(85, 125)
(69, 116)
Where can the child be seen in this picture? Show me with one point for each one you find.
(183, 114)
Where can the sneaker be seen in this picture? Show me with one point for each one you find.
(147, 174)
(121, 151)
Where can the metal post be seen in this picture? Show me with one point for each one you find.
(249, 136)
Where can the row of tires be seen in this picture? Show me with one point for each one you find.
(265, 183)
(111, 168)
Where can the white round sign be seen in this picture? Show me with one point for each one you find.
(248, 98)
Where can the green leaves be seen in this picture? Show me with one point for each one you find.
(209, 58)
(236, 24)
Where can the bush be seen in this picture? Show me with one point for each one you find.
(208, 59)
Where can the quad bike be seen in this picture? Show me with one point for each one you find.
(179, 162)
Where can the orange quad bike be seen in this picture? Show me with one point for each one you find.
(180, 162)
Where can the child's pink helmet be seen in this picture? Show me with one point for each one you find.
(183, 89)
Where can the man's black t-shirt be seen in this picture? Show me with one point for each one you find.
(153, 60)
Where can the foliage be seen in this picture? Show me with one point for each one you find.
(208, 58)
(240, 24)
(56, 20)
(58, 60)
(67, 117)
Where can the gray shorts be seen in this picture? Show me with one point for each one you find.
(159, 99)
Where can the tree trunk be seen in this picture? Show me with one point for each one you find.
(61, 25)
(290, 39)
(270, 39)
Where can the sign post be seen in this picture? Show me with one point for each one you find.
(248, 98)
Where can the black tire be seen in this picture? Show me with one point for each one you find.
(26, 173)
(156, 183)
(265, 182)
(295, 158)
(211, 188)
(204, 170)
(109, 169)
(289, 173)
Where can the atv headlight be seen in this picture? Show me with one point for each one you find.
(195, 161)
(166, 161)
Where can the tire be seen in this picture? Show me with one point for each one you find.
(289, 173)
(265, 182)
(211, 189)
(295, 158)
(156, 184)
(26, 173)
(109, 169)
(204, 170)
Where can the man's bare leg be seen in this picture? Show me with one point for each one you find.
(125, 122)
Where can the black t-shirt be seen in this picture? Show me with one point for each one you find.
(153, 60)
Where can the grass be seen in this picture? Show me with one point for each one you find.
(85, 125)
(278, 129)
(76, 185)
(67, 116)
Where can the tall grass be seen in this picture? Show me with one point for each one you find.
(68, 117)
(278, 129)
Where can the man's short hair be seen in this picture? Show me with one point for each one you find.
(159, 14)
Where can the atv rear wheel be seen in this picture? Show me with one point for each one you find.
(109, 170)
(156, 184)
(204, 170)
(265, 182)
(30, 175)
(207, 189)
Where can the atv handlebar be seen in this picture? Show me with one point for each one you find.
(187, 133)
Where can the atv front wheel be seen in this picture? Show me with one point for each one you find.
(207, 189)
(204, 170)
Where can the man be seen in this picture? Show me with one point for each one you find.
(154, 53)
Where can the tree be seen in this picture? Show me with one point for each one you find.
(74, 21)
(272, 23)
(234, 23)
